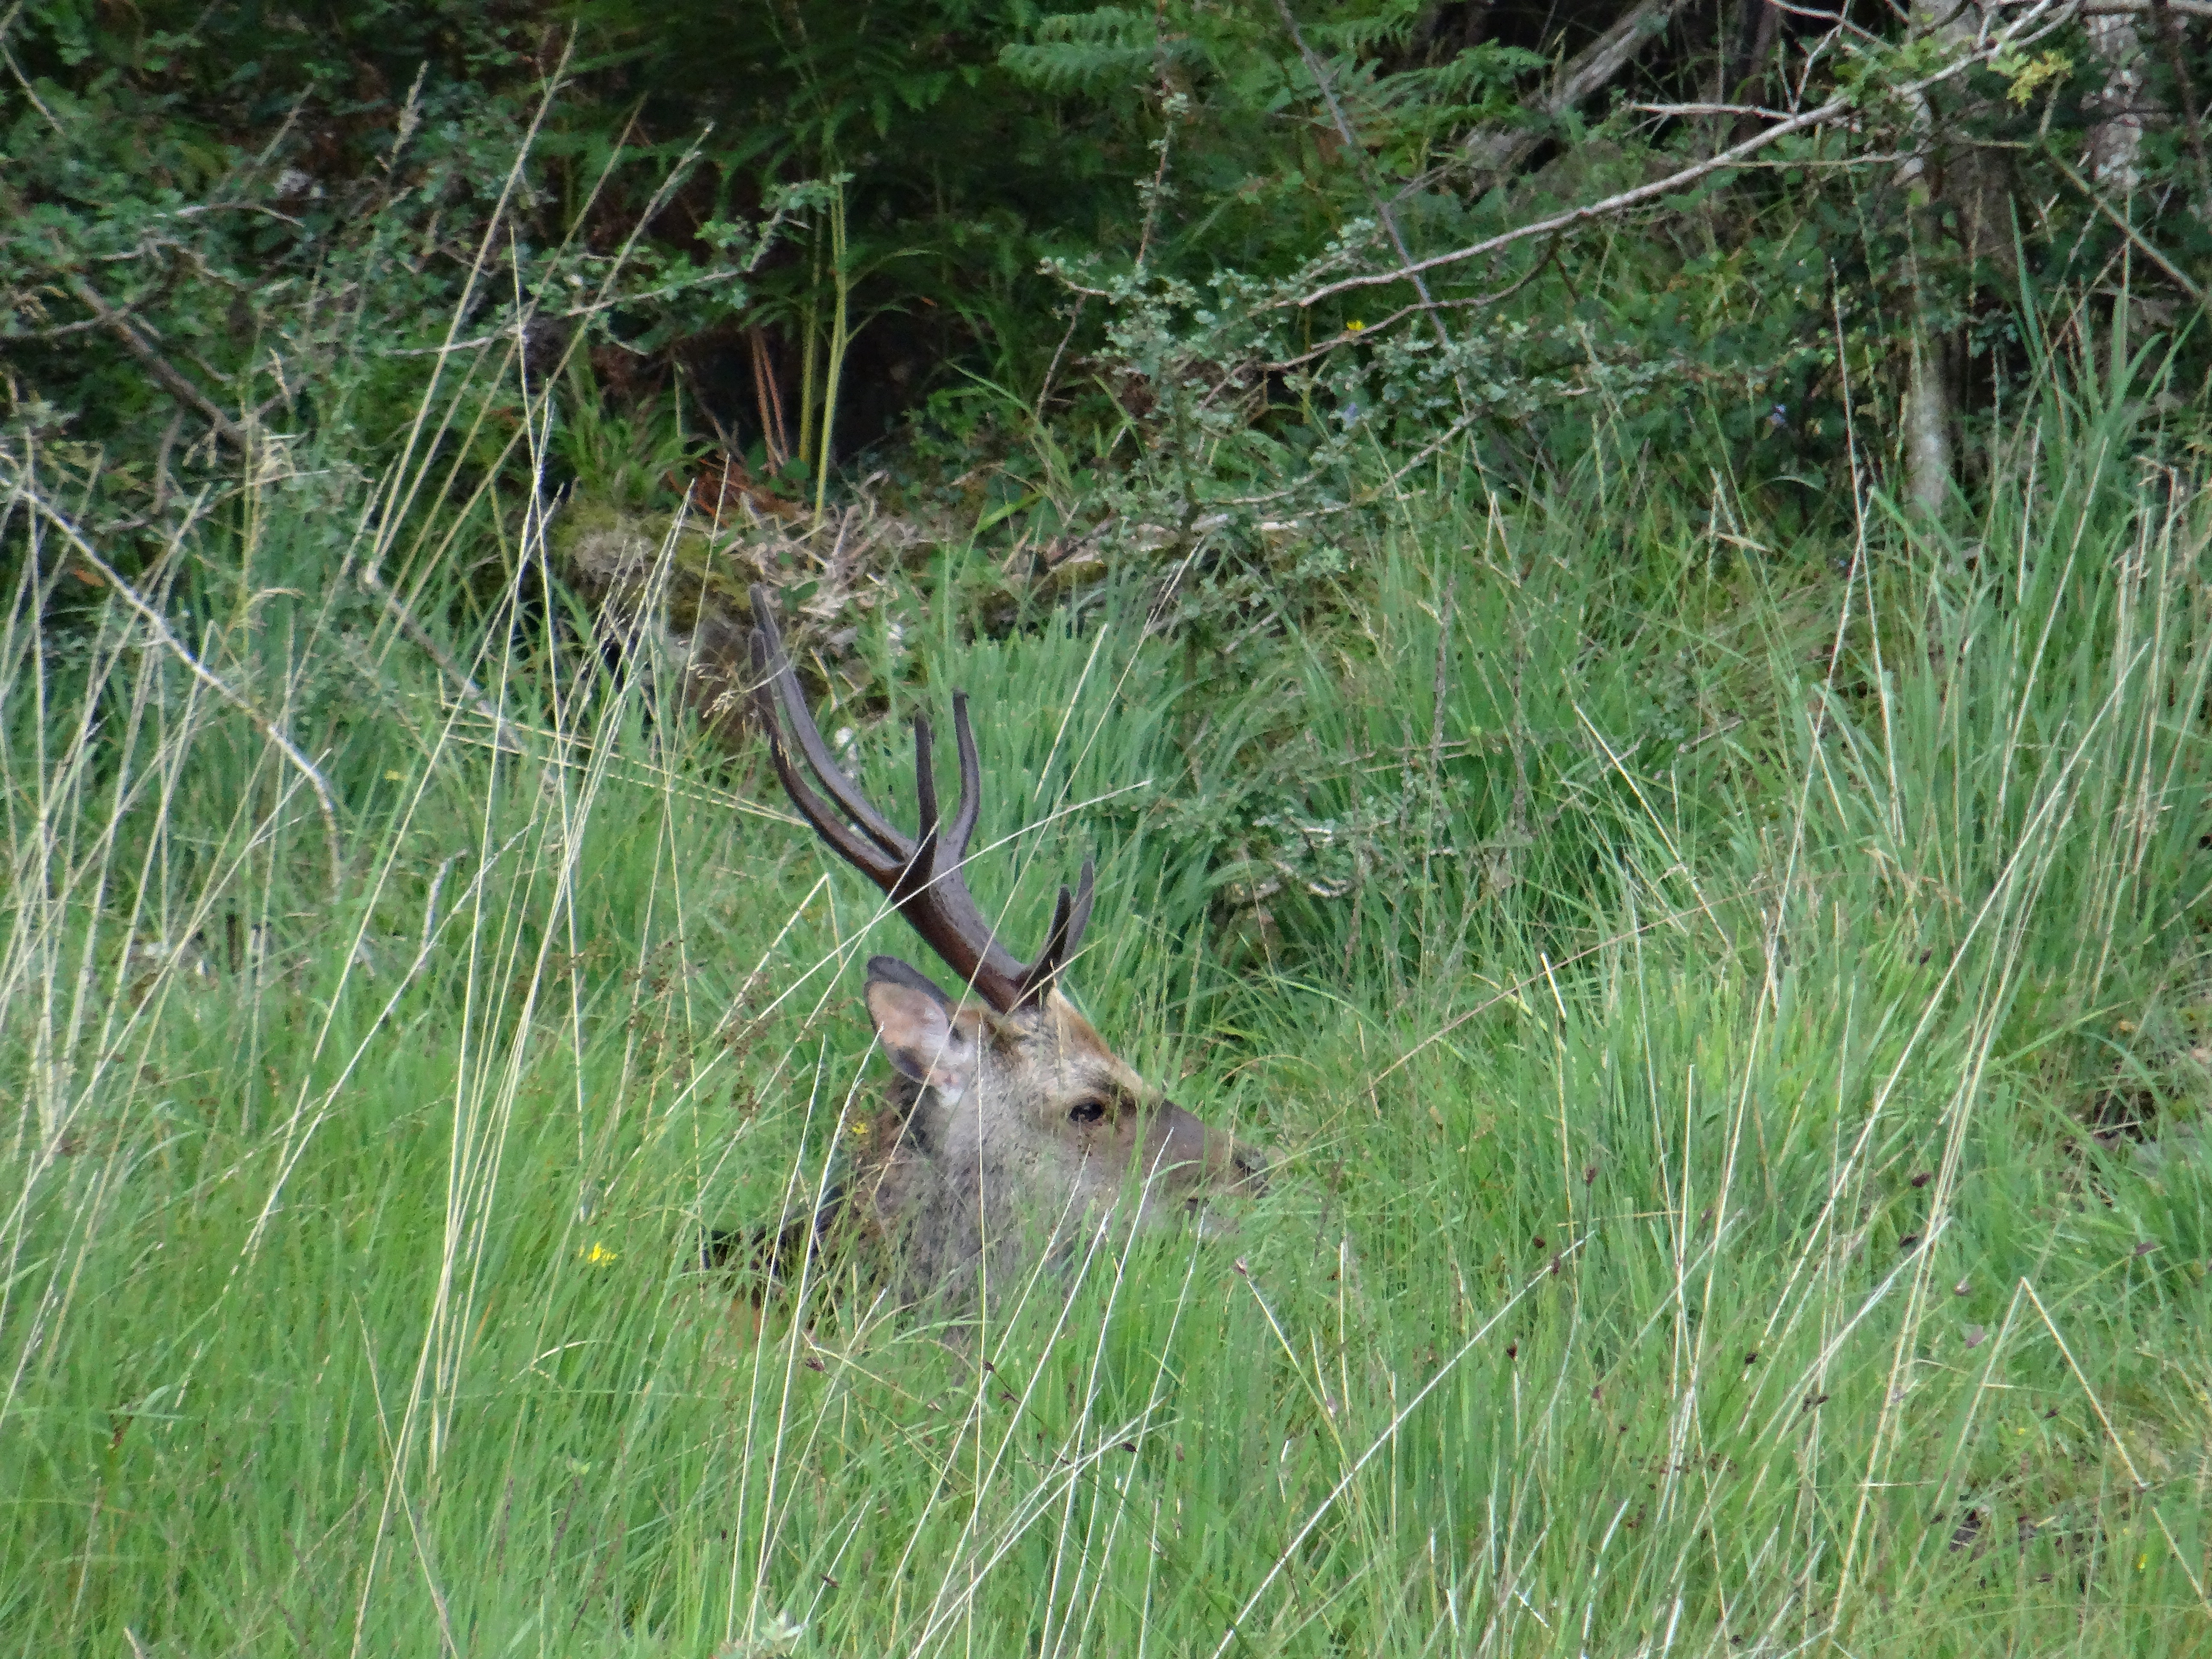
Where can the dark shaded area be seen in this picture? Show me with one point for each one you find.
(276, 214)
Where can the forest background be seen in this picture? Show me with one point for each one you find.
(1619, 589)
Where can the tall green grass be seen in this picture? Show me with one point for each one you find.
(1731, 1021)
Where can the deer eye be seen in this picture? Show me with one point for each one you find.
(1087, 1111)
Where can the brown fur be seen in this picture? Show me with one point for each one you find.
(1053, 1134)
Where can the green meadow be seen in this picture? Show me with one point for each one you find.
(1727, 1000)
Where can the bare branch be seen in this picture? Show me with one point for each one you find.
(504, 736)
(60, 330)
(22, 80)
(2119, 221)
(1675, 111)
(1671, 184)
(1492, 150)
(154, 620)
(1359, 153)
(173, 379)
(2144, 8)
(2038, 20)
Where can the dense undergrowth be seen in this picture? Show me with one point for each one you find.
(1728, 1003)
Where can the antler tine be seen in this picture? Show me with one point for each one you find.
(924, 789)
(934, 895)
(783, 682)
(852, 848)
(1002, 980)
(1069, 918)
(971, 782)
(1081, 919)
(930, 892)
(922, 877)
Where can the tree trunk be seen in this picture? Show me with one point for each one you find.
(1930, 406)
(1759, 26)
(1928, 412)
(2116, 130)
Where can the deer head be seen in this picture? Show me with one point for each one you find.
(1009, 1122)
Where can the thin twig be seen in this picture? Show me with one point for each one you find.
(61, 331)
(1673, 183)
(1375, 330)
(2140, 7)
(2042, 20)
(776, 441)
(2120, 223)
(23, 81)
(207, 676)
(1051, 368)
(158, 366)
(172, 378)
(504, 737)
(1710, 108)
(1359, 153)
(531, 311)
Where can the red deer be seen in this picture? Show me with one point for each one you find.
(1009, 1123)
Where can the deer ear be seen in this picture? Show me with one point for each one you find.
(915, 1025)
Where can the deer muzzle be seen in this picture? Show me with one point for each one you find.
(1185, 1161)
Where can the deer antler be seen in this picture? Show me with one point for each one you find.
(921, 877)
